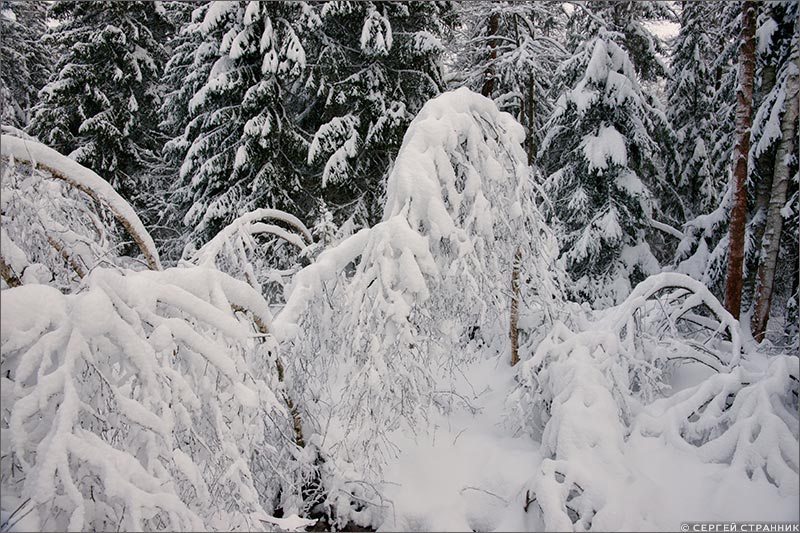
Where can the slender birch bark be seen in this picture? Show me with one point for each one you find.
(771, 241)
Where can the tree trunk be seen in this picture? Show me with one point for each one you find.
(488, 79)
(771, 241)
(765, 165)
(8, 274)
(744, 117)
(513, 329)
(531, 115)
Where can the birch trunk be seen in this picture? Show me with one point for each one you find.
(771, 241)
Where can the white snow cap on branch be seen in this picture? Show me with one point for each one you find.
(87, 181)
(142, 401)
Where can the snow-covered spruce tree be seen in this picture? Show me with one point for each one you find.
(598, 155)
(508, 51)
(726, 20)
(25, 56)
(183, 74)
(240, 150)
(690, 110)
(703, 251)
(100, 106)
(374, 66)
(371, 322)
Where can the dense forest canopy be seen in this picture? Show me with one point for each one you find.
(398, 265)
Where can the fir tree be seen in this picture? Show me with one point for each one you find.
(691, 93)
(25, 57)
(240, 150)
(509, 51)
(364, 94)
(101, 106)
(600, 153)
(702, 253)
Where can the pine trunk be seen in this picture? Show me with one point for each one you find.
(488, 80)
(744, 117)
(771, 241)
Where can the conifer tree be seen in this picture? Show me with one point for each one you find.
(691, 93)
(100, 107)
(599, 153)
(25, 57)
(239, 149)
(509, 51)
(703, 252)
(362, 95)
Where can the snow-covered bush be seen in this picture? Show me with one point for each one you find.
(586, 392)
(143, 402)
(461, 180)
(59, 218)
(746, 418)
(373, 320)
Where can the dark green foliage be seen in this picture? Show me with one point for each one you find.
(374, 65)
(25, 60)
(100, 108)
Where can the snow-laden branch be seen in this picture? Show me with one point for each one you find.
(694, 295)
(666, 228)
(251, 223)
(237, 251)
(307, 284)
(142, 402)
(83, 179)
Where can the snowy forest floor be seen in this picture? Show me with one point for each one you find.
(463, 471)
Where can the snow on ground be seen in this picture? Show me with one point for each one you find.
(461, 472)
(465, 472)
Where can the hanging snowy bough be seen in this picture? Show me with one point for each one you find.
(62, 168)
(251, 249)
(144, 403)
